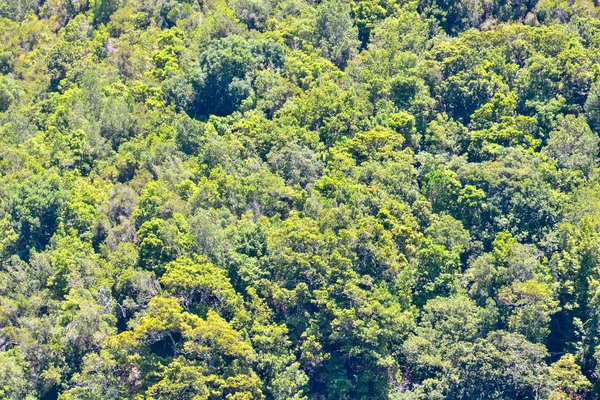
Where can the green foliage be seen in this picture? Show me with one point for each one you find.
(255, 199)
(573, 145)
(336, 36)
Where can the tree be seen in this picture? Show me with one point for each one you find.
(533, 305)
(573, 144)
(199, 283)
(103, 9)
(336, 36)
(222, 80)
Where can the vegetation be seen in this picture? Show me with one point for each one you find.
(259, 199)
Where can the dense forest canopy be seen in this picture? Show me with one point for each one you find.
(299, 199)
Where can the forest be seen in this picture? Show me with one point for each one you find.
(299, 199)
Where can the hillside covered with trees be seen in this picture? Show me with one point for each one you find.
(299, 199)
